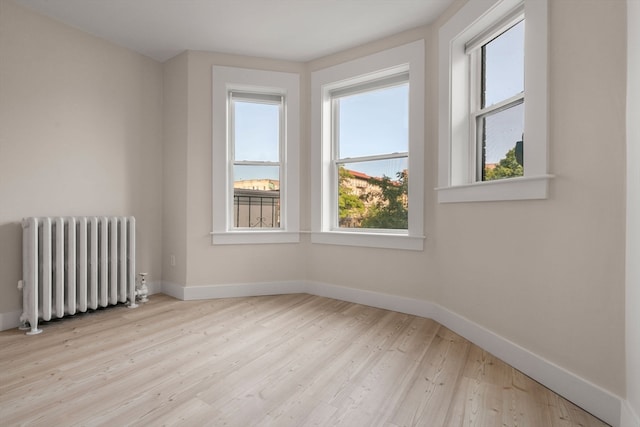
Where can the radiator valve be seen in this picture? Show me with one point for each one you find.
(142, 292)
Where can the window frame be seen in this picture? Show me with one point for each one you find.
(406, 58)
(475, 49)
(231, 79)
(457, 160)
(261, 98)
(336, 158)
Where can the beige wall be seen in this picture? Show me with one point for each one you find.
(633, 209)
(406, 273)
(80, 134)
(174, 184)
(207, 264)
(548, 275)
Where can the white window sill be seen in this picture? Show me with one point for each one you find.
(254, 237)
(524, 188)
(371, 240)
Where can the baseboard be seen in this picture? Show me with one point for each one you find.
(580, 391)
(154, 287)
(583, 393)
(10, 320)
(628, 417)
(173, 290)
(233, 291)
(594, 399)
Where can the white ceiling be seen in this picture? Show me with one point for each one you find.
(298, 30)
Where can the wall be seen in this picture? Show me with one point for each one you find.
(407, 273)
(633, 214)
(174, 184)
(226, 264)
(547, 275)
(80, 134)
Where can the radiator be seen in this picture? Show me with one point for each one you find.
(75, 264)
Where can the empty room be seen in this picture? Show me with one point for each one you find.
(320, 212)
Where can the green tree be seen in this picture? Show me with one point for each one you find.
(350, 206)
(508, 167)
(389, 209)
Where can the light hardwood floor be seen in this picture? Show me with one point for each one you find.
(290, 360)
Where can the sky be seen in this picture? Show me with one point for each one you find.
(377, 122)
(256, 130)
(504, 78)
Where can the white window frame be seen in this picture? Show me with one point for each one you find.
(277, 99)
(225, 81)
(457, 150)
(324, 230)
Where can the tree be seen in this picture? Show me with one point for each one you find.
(389, 209)
(508, 167)
(350, 207)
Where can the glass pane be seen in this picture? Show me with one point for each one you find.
(502, 136)
(373, 194)
(256, 131)
(375, 122)
(256, 196)
(503, 71)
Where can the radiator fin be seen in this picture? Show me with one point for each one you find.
(75, 264)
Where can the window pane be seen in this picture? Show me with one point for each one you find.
(256, 131)
(502, 133)
(375, 122)
(256, 196)
(503, 70)
(373, 194)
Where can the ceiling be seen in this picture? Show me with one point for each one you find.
(297, 30)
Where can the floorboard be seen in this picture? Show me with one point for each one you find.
(288, 360)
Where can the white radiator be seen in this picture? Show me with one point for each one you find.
(75, 264)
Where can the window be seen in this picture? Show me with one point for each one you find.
(255, 156)
(367, 134)
(370, 156)
(497, 102)
(255, 139)
(493, 144)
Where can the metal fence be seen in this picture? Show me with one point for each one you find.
(256, 208)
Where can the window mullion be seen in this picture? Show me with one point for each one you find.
(475, 103)
(502, 105)
(389, 156)
(282, 161)
(255, 163)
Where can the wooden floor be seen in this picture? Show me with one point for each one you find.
(291, 360)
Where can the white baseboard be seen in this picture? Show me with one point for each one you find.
(583, 393)
(173, 290)
(154, 287)
(628, 417)
(10, 320)
(594, 399)
(232, 291)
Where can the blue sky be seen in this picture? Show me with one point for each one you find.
(504, 79)
(257, 129)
